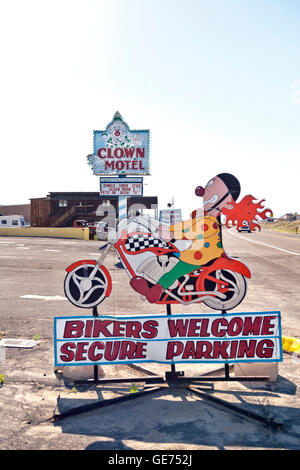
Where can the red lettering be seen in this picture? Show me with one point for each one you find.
(112, 350)
(204, 326)
(265, 348)
(235, 326)
(88, 328)
(178, 327)
(247, 348)
(119, 328)
(118, 153)
(127, 350)
(109, 165)
(220, 349)
(140, 152)
(267, 327)
(150, 328)
(193, 327)
(215, 327)
(252, 326)
(92, 355)
(233, 348)
(140, 350)
(189, 350)
(133, 329)
(119, 165)
(100, 153)
(67, 354)
(73, 329)
(204, 349)
(81, 351)
(174, 348)
(129, 152)
(100, 327)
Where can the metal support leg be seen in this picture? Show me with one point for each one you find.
(103, 404)
(230, 406)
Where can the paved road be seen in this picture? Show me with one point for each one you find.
(31, 294)
(274, 260)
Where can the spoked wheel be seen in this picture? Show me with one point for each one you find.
(232, 284)
(87, 285)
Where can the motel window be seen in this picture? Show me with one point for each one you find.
(63, 203)
(3, 221)
(14, 222)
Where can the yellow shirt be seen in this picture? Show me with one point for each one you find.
(205, 233)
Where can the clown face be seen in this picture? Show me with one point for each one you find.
(215, 195)
(117, 131)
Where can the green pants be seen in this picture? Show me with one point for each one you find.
(180, 269)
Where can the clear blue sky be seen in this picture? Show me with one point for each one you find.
(217, 82)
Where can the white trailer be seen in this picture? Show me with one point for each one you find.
(12, 221)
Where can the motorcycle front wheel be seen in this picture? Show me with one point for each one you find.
(85, 289)
(237, 288)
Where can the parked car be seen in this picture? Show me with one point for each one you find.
(80, 224)
(12, 221)
(244, 227)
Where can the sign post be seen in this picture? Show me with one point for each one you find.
(122, 207)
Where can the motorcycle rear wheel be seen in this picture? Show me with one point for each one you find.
(236, 291)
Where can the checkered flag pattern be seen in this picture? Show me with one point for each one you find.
(137, 243)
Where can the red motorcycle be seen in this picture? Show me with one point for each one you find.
(220, 284)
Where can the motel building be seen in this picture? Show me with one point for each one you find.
(62, 209)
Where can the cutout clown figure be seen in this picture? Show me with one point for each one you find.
(183, 263)
(202, 235)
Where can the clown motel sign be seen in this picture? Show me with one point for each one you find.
(119, 150)
(196, 338)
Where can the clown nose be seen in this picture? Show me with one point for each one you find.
(199, 191)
